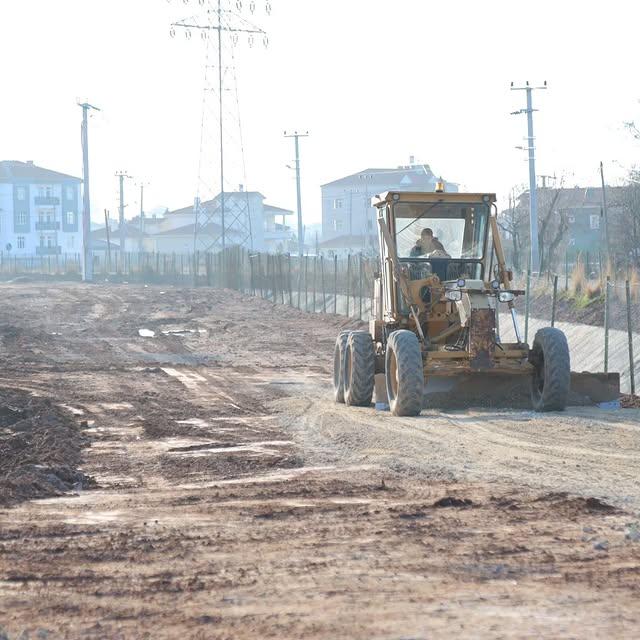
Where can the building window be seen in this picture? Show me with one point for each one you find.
(70, 194)
(337, 225)
(42, 241)
(572, 219)
(594, 220)
(337, 203)
(20, 242)
(49, 241)
(21, 218)
(70, 217)
(21, 193)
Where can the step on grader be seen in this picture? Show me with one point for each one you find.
(441, 282)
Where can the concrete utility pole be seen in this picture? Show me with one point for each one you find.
(140, 244)
(87, 254)
(297, 135)
(605, 214)
(533, 196)
(121, 230)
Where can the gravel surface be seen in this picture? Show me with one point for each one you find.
(233, 499)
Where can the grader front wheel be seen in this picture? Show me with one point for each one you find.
(404, 374)
(551, 370)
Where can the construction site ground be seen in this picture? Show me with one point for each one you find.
(172, 465)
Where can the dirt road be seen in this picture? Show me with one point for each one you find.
(211, 489)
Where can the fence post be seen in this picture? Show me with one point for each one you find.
(315, 280)
(261, 276)
(299, 281)
(348, 282)
(606, 325)
(274, 280)
(252, 282)
(360, 283)
(335, 284)
(289, 280)
(281, 274)
(566, 269)
(632, 377)
(527, 298)
(324, 297)
(306, 283)
(555, 298)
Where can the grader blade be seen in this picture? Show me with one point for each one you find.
(503, 391)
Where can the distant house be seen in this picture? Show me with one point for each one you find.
(582, 207)
(346, 202)
(248, 222)
(278, 236)
(134, 237)
(39, 210)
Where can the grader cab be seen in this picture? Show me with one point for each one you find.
(441, 284)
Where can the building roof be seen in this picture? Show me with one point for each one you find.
(209, 204)
(189, 229)
(101, 245)
(131, 230)
(269, 208)
(575, 197)
(375, 178)
(16, 171)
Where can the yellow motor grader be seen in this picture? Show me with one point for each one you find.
(441, 283)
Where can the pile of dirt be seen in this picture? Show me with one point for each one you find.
(627, 401)
(40, 449)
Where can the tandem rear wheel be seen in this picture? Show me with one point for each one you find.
(354, 365)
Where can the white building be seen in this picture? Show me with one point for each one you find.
(248, 222)
(347, 214)
(39, 210)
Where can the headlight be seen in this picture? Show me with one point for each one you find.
(453, 294)
(505, 296)
(460, 283)
(495, 284)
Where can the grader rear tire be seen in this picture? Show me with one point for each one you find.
(359, 369)
(338, 366)
(404, 375)
(552, 370)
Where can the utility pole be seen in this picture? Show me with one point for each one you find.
(297, 135)
(140, 244)
(87, 254)
(106, 226)
(605, 214)
(533, 196)
(121, 230)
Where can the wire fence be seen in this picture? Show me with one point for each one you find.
(607, 340)
(600, 316)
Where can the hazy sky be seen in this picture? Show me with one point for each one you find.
(373, 81)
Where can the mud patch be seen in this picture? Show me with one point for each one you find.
(40, 449)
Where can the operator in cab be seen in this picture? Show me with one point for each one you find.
(427, 244)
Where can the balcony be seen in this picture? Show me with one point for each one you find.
(47, 225)
(46, 201)
(48, 251)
